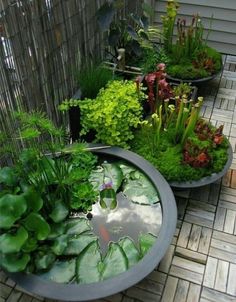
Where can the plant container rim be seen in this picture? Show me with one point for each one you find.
(88, 292)
(207, 179)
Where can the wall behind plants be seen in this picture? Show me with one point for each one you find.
(42, 45)
(223, 33)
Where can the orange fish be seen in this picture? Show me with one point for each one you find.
(104, 233)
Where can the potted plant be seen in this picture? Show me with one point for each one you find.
(63, 227)
(129, 39)
(185, 148)
(188, 58)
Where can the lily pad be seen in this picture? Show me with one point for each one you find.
(115, 261)
(78, 243)
(60, 244)
(44, 261)
(30, 245)
(139, 189)
(88, 264)
(57, 229)
(14, 262)
(60, 211)
(146, 241)
(11, 209)
(130, 250)
(61, 271)
(113, 174)
(77, 226)
(108, 199)
(12, 243)
(36, 223)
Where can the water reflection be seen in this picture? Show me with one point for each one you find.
(127, 219)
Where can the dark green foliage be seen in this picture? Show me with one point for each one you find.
(92, 78)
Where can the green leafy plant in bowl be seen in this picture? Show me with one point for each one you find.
(113, 114)
(47, 198)
(190, 57)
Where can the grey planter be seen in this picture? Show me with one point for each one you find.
(86, 292)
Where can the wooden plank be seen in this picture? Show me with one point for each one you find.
(231, 285)
(165, 263)
(210, 272)
(213, 296)
(194, 238)
(205, 240)
(224, 237)
(220, 219)
(230, 221)
(186, 274)
(198, 220)
(169, 292)
(193, 293)
(188, 265)
(181, 291)
(221, 275)
(223, 255)
(190, 255)
(184, 234)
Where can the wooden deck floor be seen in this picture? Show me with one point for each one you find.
(200, 264)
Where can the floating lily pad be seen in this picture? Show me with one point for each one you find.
(61, 271)
(115, 261)
(30, 245)
(77, 226)
(130, 250)
(12, 243)
(57, 229)
(108, 199)
(146, 241)
(88, 261)
(44, 260)
(78, 243)
(11, 209)
(60, 244)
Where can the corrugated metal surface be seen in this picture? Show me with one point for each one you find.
(223, 13)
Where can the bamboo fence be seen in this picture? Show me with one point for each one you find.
(42, 46)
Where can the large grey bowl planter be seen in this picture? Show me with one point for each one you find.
(205, 180)
(87, 292)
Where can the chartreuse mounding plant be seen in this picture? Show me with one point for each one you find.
(189, 56)
(113, 114)
(45, 196)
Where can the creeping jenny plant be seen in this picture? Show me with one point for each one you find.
(114, 113)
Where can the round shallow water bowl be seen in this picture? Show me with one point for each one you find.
(205, 180)
(126, 220)
(194, 82)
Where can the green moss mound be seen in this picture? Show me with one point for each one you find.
(168, 159)
(186, 69)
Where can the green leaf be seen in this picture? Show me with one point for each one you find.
(36, 223)
(11, 209)
(88, 264)
(60, 244)
(130, 250)
(57, 230)
(77, 226)
(44, 261)
(146, 241)
(60, 211)
(8, 176)
(61, 271)
(115, 261)
(14, 262)
(105, 15)
(78, 243)
(112, 174)
(139, 189)
(34, 200)
(12, 243)
(108, 199)
(30, 245)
